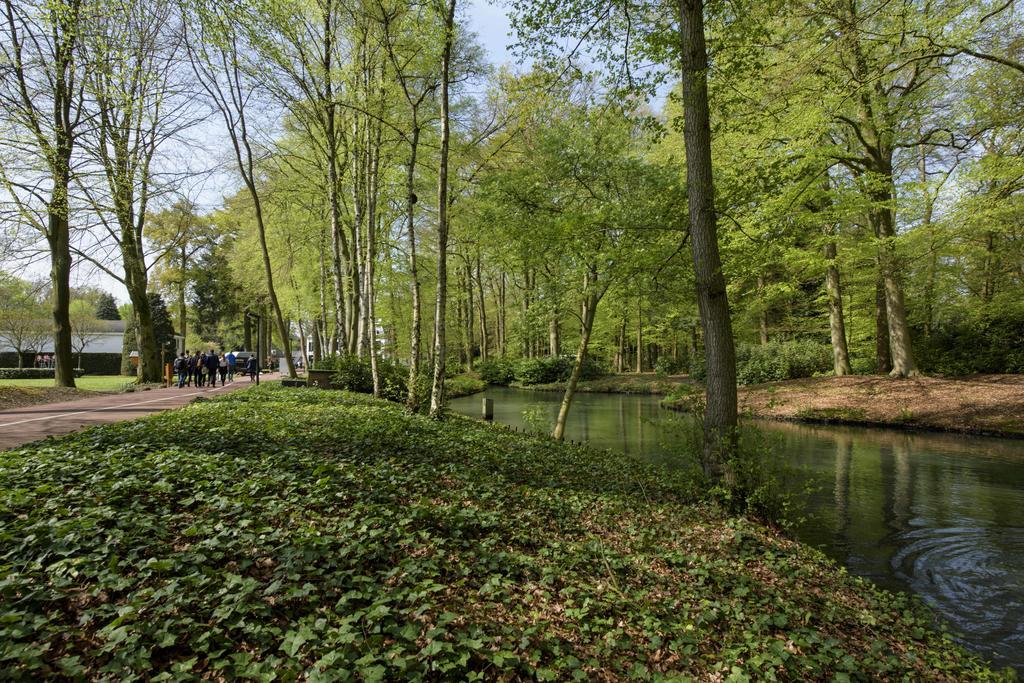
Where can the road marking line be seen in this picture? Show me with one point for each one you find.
(98, 410)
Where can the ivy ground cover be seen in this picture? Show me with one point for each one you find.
(294, 534)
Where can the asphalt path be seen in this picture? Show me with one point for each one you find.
(31, 423)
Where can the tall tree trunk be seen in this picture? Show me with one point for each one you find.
(836, 322)
(470, 326)
(484, 340)
(502, 317)
(317, 342)
(440, 343)
(527, 328)
(371, 258)
(900, 349)
(929, 228)
(620, 347)
(182, 310)
(988, 285)
(883, 359)
(59, 241)
(871, 126)
(554, 337)
(639, 335)
(247, 330)
(268, 273)
(591, 298)
(721, 413)
(762, 318)
(412, 401)
(340, 247)
(136, 282)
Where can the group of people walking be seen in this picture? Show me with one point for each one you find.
(45, 360)
(204, 367)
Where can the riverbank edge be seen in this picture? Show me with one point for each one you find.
(714, 538)
(630, 383)
(867, 424)
(807, 401)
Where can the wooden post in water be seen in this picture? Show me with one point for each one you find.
(488, 408)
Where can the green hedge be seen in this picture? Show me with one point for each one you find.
(32, 373)
(100, 363)
(775, 361)
(282, 534)
(352, 373)
(541, 370)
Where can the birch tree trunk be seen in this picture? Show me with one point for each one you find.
(440, 341)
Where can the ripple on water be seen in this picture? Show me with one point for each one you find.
(972, 576)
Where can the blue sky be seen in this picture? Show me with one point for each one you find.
(490, 22)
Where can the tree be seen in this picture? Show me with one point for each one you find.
(440, 318)
(135, 90)
(43, 110)
(215, 53)
(23, 324)
(589, 201)
(106, 307)
(85, 328)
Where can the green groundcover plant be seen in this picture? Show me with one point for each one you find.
(284, 534)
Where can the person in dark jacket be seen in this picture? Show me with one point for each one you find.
(212, 365)
(199, 369)
(181, 369)
(252, 367)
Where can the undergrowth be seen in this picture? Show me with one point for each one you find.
(286, 534)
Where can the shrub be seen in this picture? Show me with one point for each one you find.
(353, 373)
(593, 367)
(500, 371)
(32, 373)
(463, 385)
(554, 369)
(698, 366)
(990, 341)
(544, 370)
(666, 365)
(774, 362)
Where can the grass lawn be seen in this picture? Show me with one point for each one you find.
(86, 383)
(300, 534)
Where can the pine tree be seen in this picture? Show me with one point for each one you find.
(106, 307)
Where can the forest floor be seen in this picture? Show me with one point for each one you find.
(293, 532)
(984, 404)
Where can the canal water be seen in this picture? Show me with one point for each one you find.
(938, 515)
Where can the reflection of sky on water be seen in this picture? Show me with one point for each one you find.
(941, 515)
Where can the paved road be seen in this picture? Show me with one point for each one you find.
(23, 425)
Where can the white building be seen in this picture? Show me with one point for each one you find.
(108, 337)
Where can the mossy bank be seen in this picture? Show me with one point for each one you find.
(299, 534)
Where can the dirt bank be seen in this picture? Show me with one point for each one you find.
(992, 404)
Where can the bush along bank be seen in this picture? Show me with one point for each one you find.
(327, 536)
(353, 373)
